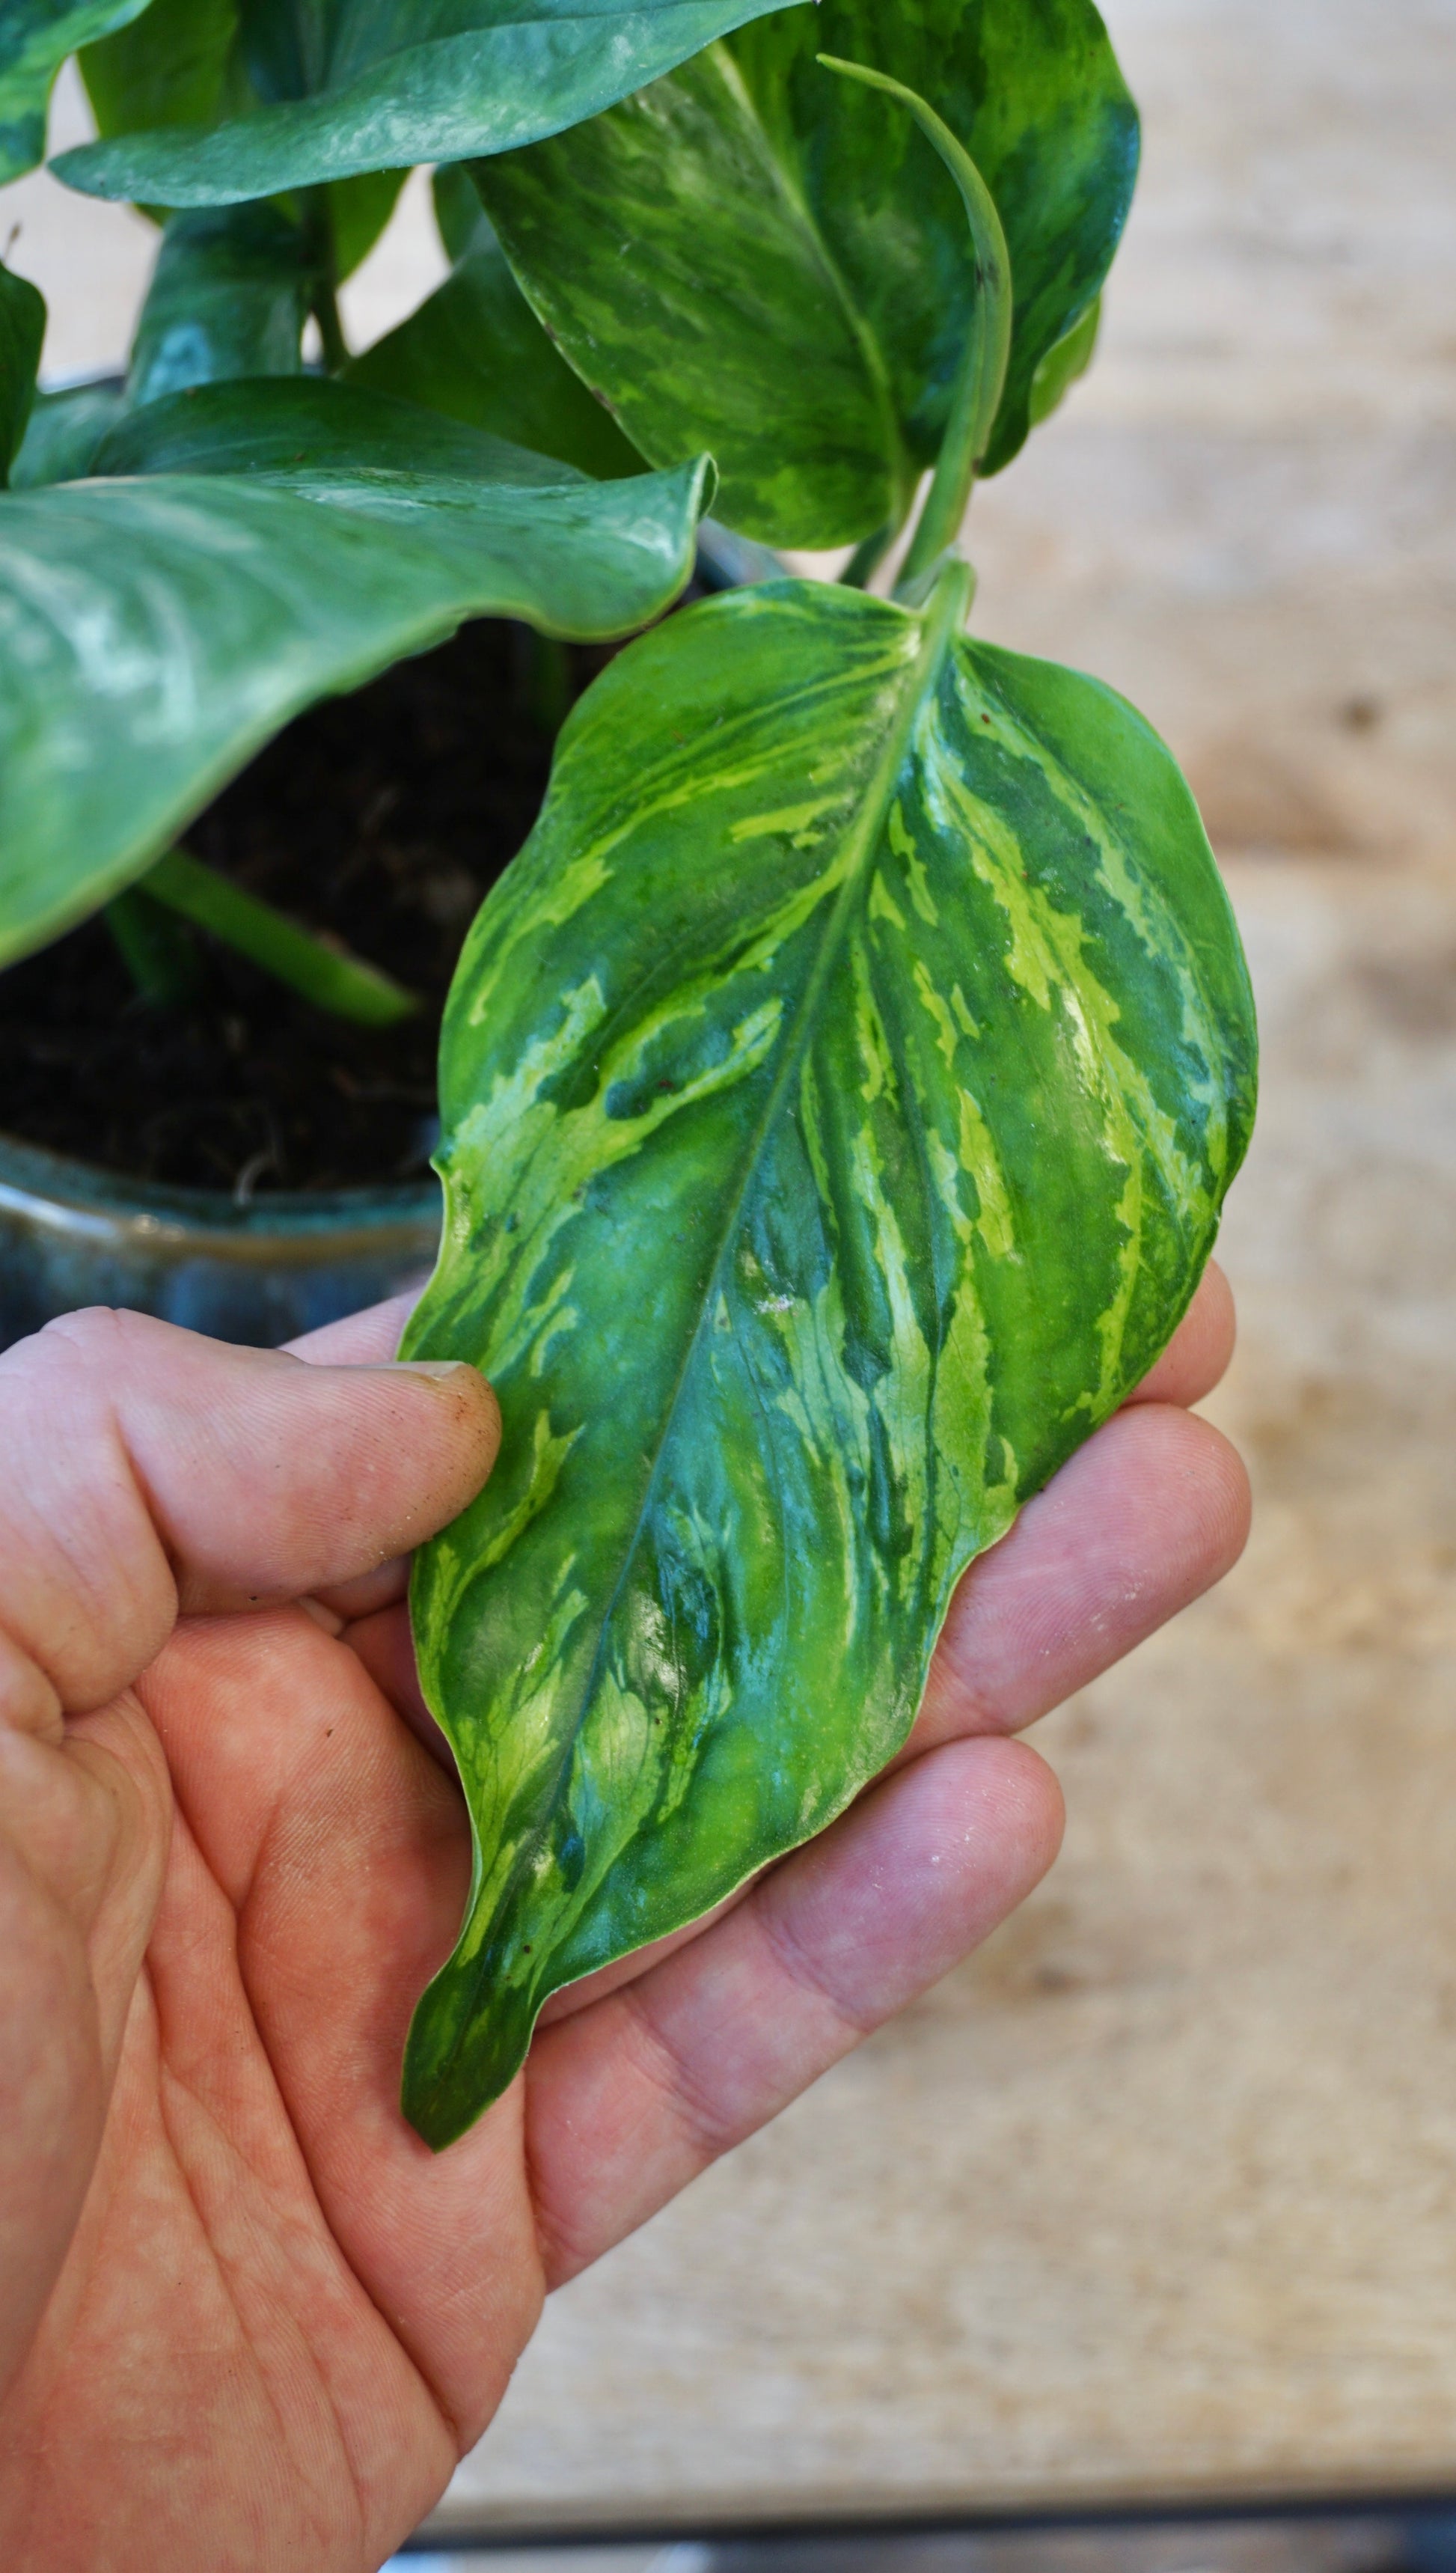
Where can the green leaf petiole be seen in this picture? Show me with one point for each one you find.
(156, 948)
(342, 984)
(982, 376)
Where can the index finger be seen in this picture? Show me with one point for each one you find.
(1200, 1347)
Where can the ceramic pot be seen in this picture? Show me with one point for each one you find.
(71, 1236)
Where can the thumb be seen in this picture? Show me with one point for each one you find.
(146, 1472)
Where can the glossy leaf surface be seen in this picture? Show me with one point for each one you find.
(35, 38)
(839, 1093)
(475, 351)
(757, 258)
(156, 632)
(64, 434)
(392, 87)
(288, 425)
(22, 330)
(228, 298)
(183, 65)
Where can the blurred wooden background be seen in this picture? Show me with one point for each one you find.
(1155, 2198)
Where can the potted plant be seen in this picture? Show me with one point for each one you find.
(840, 1088)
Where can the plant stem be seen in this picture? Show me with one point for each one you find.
(342, 984)
(867, 556)
(156, 949)
(317, 229)
(981, 378)
(331, 329)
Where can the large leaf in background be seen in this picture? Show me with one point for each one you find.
(183, 65)
(22, 330)
(293, 426)
(486, 75)
(35, 38)
(228, 297)
(155, 633)
(475, 351)
(758, 258)
(839, 1091)
(170, 67)
(64, 434)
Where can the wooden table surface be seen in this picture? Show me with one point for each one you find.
(1157, 2198)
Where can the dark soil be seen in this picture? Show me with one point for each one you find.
(381, 819)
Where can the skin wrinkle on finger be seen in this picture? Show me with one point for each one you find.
(29, 1702)
(1140, 1521)
(259, 1475)
(741, 2020)
(336, 1861)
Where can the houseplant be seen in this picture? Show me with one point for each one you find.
(839, 1091)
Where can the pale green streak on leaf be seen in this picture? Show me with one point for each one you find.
(821, 1177)
(156, 632)
(35, 38)
(484, 76)
(756, 256)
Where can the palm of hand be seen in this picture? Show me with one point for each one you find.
(280, 2317)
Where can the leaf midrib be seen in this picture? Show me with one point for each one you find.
(897, 465)
(940, 621)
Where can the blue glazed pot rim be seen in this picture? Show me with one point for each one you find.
(59, 1195)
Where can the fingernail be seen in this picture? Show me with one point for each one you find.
(433, 1367)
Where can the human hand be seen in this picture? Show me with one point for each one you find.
(246, 2318)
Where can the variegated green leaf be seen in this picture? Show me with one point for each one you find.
(22, 330)
(35, 38)
(271, 543)
(840, 1092)
(475, 351)
(382, 88)
(757, 258)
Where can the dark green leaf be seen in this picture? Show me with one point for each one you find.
(289, 426)
(489, 74)
(181, 65)
(64, 434)
(756, 258)
(458, 213)
(1062, 366)
(157, 632)
(228, 297)
(475, 351)
(169, 67)
(22, 330)
(839, 1091)
(358, 210)
(35, 38)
